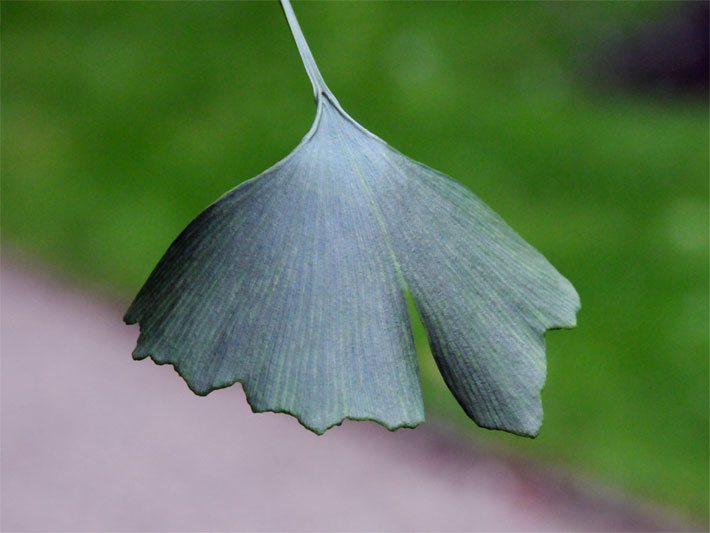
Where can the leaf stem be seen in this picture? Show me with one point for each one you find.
(319, 86)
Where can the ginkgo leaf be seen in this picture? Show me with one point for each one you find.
(293, 284)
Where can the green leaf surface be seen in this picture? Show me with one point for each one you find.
(293, 284)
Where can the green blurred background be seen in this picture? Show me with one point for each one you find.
(121, 121)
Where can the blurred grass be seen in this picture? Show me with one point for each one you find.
(121, 121)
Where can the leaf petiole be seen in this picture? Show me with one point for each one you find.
(319, 86)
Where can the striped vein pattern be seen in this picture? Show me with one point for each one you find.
(293, 285)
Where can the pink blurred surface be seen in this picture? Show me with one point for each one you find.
(93, 441)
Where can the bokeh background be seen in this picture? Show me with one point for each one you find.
(585, 125)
